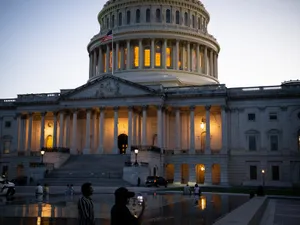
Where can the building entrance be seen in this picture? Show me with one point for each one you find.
(122, 143)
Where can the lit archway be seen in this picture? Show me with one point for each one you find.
(216, 174)
(200, 173)
(49, 141)
(184, 173)
(170, 173)
(203, 140)
(122, 143)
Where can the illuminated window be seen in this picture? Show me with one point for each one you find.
(168, 16)
(180, 58)
(194, 60)
(104, 62)
(184, 58)
(110, 60)
(168, 59)
(148, 16)
(147, 57)
(177, 17)
(128, 17)
(125, 57)
(185, 19)
(136, 56)
(158, 18)
(158, 56)
(119, 59)
(137, 16)
(120, 19)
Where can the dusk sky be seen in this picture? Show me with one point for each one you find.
(43, 42)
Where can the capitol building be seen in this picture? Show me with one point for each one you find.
(153, 86)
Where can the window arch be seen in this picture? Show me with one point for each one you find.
(120, 19)
(186, 19)
(168, 16)
(128, 15)
(112, 21)
(177, 17)
(158, 53)
(148, 16)
(158, 17)
(137, 16)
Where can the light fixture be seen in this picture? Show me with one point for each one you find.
(262, 171)
(202, 124)
(136, 151)
(202, 168)
(42, 152)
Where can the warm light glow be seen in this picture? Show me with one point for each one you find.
(49, 141)
(262, 171)
(136, 56)
(202, 125)
(202, 168)
(110, 60)
(147, 58)
(136, 151)
(38, 220)
(42, 152)
(125, 57)
(158, 56)
(202, 203)
(168, 59)
(119, 59)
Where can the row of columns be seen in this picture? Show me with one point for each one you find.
(207, 65)
(163, 127)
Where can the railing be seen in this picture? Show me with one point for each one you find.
(57, 149)
(38, 97)
(7, 102)
(133, 164)
(150, 148)
(218, 88)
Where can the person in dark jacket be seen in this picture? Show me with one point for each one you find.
(86, 206)
(120, 214)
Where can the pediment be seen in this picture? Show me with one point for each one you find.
(109, 86)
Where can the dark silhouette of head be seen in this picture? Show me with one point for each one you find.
(122, 195)
(86, 189)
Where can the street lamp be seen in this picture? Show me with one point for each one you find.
(263, 177)
(136, 151)
(42, 153)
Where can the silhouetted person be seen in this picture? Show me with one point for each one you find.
(138, 181)
(120, 214)
(86, 206)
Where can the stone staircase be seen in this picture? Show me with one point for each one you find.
(100, 170)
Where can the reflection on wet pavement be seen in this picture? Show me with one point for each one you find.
(164, 209)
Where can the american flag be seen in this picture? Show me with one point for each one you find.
(107, 37)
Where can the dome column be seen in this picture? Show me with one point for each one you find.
(140, 54)
(128, 60)
(100, 66)
(176, 55)
(117, 57)
(122, 58)
(94, 63)
(216, 65)
(164, 59)
(91, 65)
(192, 130)
(152, 54)
(101, 130)
(211, 63)
(116, 120)
(107, 58)
(188, 56)
(198, 58)
(74, 133)
(144, 126)
(205, 60)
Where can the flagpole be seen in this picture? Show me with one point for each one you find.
(112, 47)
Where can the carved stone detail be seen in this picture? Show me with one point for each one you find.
(207, 107)
(108, 86)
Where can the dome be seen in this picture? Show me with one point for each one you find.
(155, 42)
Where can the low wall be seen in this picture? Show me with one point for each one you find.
(250, 213)
(57, 158)
(131, 174)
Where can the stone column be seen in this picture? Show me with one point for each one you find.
(91, 65)
(216, 70)
(107, 58)
(177, 55)
(215, 65)
(207, 138)
(211, 63)
(164, 55)
(178, 129)
(54, 129)
(94, 133)
(224, 172)
(285, 130)
(19, 132)
(144, 126)
(74, 134)
(128, 150)
(122, 58)
(116, 118)
(67, 130)
(29, 132)
(1, 133)
(42, 138)
(159, 127)
(152, 54)
(141, 61)
(128, 58)
(192, 130)
(167, 130)
(87, 132)
(207, 174)
(205, 60)
(262, 125)
(117, 57)
(134, 133)
(94, 64)
(101, 130)
(224, 130)
(188, 56)
(100, 66)
(61, 129)
(197, 58)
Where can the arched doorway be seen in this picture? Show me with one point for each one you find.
(122, 143)
(216, 174)
(49, 141)
(203, 140)
(200, 173)
(170, 173)
(185, 173)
